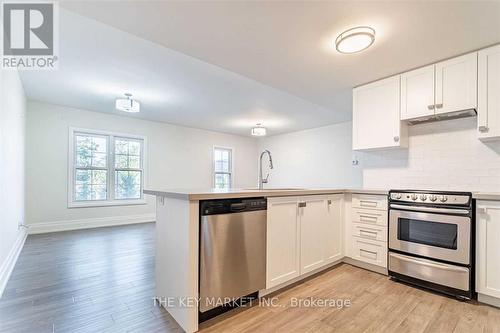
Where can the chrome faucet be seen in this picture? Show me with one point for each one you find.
(263, 181)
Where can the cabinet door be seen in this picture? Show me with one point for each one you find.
(488, 108)
(417, 93)
(282, 241)
(488, 248)
(376, 115)
(334, 231)
(313, 216)
(456, 84)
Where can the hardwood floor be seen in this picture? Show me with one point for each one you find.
(95, 280)
(102, 280)
(377, 305)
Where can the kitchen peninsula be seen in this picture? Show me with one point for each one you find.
(178, 240)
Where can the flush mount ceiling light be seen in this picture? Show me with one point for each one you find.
(355, 40)
(127, 104)
(259, 130)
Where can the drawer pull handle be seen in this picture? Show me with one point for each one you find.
(368, 234)
(368, 254)
(367, 218)
(364, 203)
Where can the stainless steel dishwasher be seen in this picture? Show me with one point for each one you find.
(232, 250)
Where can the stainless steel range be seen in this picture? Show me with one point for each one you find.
(431, 240)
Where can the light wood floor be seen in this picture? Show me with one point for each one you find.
(102, 280)
(378, 305)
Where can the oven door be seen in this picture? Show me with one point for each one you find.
(435, 236)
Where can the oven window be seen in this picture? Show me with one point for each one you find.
(429, 233)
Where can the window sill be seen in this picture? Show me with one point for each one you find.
(90, 204)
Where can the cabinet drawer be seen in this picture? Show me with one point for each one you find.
(374, 217)
(372, 232)
(369, 201)
(369, 251)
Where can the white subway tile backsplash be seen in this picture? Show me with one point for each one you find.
(443, 156)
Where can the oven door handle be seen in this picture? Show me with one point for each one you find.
(432, 209)
(429, 263)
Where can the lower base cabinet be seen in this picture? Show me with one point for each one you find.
(303, 235)
(488, 250)
(366, 229)
(282, 245)
(370, 251)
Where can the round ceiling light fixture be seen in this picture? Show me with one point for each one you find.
(259, 130)
(127, 104)
(355, 40)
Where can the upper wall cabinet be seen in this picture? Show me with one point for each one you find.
(376, 115)
(417, 93)
(489, 93)
(444, 87)
(456, 84)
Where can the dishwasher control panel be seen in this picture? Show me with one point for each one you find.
(227, 206)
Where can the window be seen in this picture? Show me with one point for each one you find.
(105, 168)
(223, 168)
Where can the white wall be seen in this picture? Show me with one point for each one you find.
(178, 157)
(444, 155)
(319, 157)
(12, 129)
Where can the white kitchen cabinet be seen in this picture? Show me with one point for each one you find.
(417, 93)
(303, 235)
(456, 84)
(313, 216)
(283, 251)
(334, 230)
(488, 251)
(376, 115)
(369, 251)
(488, 110)
(366, 230)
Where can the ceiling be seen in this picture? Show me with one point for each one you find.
(98, 63)
(281, 68)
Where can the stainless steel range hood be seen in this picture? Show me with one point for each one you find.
(443, 116)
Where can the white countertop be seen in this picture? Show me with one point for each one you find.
(486, 195)
(204, 194)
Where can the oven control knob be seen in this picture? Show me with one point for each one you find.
(443, 198)
(423, 197)
(433, 198)
(399, 196)
(414, 196)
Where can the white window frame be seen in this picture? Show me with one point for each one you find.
(110, 179)
(231, 184)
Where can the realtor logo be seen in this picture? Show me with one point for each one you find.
(29, 35)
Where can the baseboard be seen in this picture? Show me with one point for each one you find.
(490, 300)
(39, 228)
(367, 266)
(298, 279)
(9, 263)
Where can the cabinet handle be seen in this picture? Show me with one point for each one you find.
(368, 234)
(329, 202)
(365, 203)
(371, 254)
(302, 204)
(396, 139)
(483, 128)
(367, 218)
(439, 106)
(430, 107)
